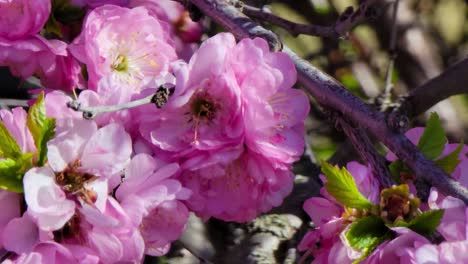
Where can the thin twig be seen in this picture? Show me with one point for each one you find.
(331, 94)
(90, 112)
(451, 82)
(391, 63)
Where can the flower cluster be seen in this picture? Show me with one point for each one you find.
(219, 142)
(397, 232)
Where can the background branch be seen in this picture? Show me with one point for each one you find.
(347, 20)
(451, 82)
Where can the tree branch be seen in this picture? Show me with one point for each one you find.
(347, 20)
(363, 146)
(331, 94)
(452, 81)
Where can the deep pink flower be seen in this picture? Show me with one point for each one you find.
(96, 3)
(22, 18)
(48, 59)
(204, 113)
(236, 190)
(131, 57)
(274, 113)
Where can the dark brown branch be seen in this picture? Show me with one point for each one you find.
(452, 81)
(331, 94)
(347, 20)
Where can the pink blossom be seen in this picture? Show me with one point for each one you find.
(102, 152)
(236, 190)
(444, 253)
(454, 222)
(21, 235)
(184, 32)
(35, 55)
(10, 204)
(80, 160)
(327, 216)
(51, 252)
(204, 113)
(131, 57)
(153, 198)
(22, 18)
(400, 249)
(47, 203)
(274, 113)
(175, 14)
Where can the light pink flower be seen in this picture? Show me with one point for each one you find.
(399, 250)
(48, 59)
(153, 199)
(10, 204)
(131, 57)
(174, 13)
(47, 203)
(22, 18)
(21, 235)
(444, 253)
(184, 32)
(454, 223)
(54, 253)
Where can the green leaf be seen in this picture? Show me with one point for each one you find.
(366, 234)
(8, 146)
(341, 185)
(42, 128)
(449, 162)
(427, 222)
(433, 139)
(12, 172)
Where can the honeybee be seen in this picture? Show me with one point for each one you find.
(162, 95)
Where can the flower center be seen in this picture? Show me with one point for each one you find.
(120, 64)
(72, 182)
(202, 109)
